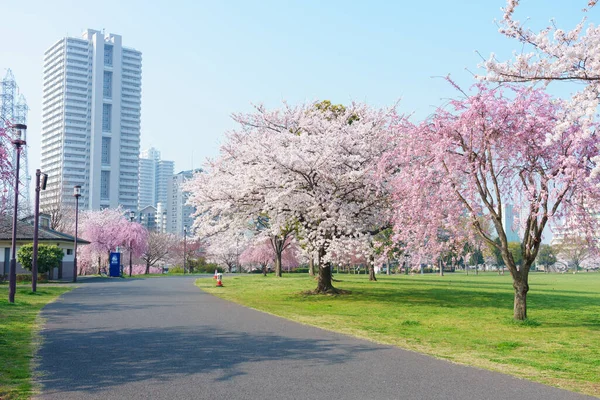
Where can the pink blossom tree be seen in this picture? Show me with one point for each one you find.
(554, 54)
(157, 249)
(105, 230)
(489, 150)
(135, 241)
(258, 254)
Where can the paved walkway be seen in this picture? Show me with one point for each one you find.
(163, 338)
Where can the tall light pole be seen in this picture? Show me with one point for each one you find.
(184, 246)
(131, 218)
(36, 225)
(12, 275)
(77, 195)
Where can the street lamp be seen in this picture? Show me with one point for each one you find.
(184, 246)
(12, 276)
(77, 195)
(131, 218)
(36, 226)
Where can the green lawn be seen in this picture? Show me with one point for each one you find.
(465, 319)
(18, 335)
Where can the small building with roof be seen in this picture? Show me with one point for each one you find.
(46, 236)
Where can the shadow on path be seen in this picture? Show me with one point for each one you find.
(121, 357)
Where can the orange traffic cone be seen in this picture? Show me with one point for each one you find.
(219, 283)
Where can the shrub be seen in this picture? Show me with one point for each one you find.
(49, 257)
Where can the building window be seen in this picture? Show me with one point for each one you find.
(108, 55)
(106, 117)
(105, 151)
(69, 252)
(104, 185)
(107, 85)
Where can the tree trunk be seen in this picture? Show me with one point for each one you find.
(372, 268)
(278, 265)
(147, 268)
(520, 307)
(388, 272)
(99, 267)
(441, 268)
(324, 283)
(311, 267)
(264, 269)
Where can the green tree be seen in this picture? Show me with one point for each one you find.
(49, 257)
(546, 257)
(517, 253)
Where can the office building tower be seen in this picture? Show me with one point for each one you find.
(91, 121)
(155, 178)
(179, 214)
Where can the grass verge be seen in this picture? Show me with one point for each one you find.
(18, 331)
(464, 319)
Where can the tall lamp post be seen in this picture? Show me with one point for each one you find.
(12, 275)
(184, 246)
(131, 218)
(36, 225)
(77, 195)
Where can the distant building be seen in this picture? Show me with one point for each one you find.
(154, 219)
(155, 178)
(91, 111)
(147, 218)
(509, 224)
(179, 214)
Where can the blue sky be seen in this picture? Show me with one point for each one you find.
(203, 60)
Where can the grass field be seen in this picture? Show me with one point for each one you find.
(465, 319)
(18, 330)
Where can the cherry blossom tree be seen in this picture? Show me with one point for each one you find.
(258, 253)
(157, 249)
(551, 55)
(225, 249)
(7, 174)
(307, 169)
(489, 150)
(135, 240)
(105, 230)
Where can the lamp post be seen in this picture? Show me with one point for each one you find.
(77, 195)
(36, 225)
(184, 246)
(131, 218)
(12, 275)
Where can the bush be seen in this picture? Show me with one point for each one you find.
(300, 270)
(49, 257)
(176, 270)
(208, 268)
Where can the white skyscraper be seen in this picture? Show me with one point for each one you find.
(178, 213)
(155, 178)
(91, 121)
(511, 228)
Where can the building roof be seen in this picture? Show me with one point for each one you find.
(25, 232)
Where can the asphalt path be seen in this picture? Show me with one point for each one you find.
(163, 338)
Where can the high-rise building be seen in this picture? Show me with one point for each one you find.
(509, 223)
(91, 121)
(179, 214)
(155, 177)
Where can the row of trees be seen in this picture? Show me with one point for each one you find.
(357, 182)
(109, 230)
